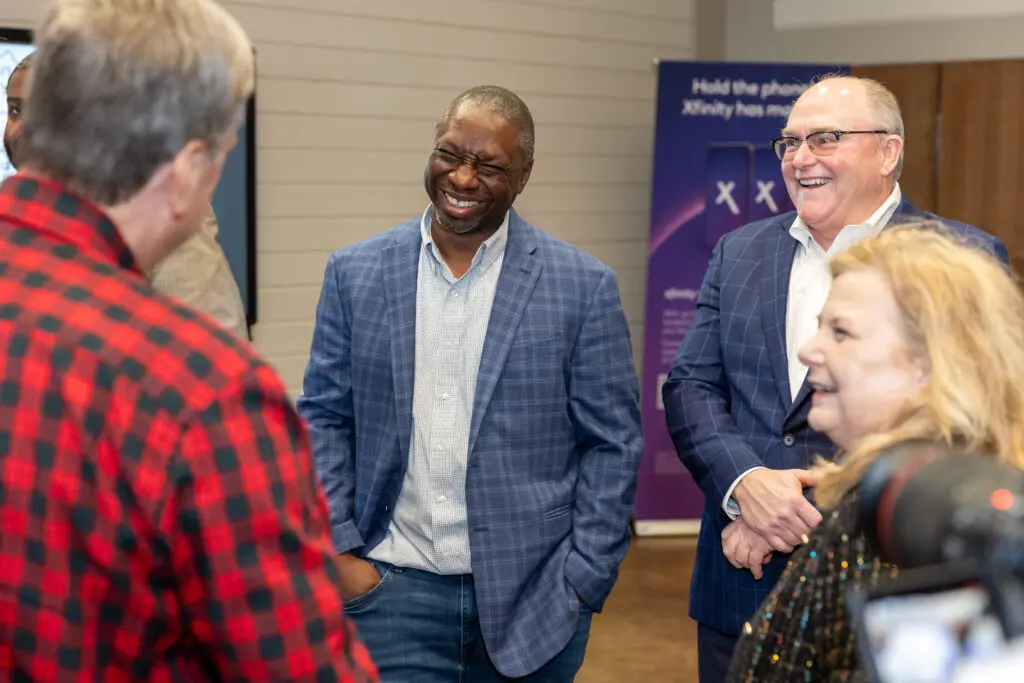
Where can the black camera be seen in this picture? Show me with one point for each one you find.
(953, 523)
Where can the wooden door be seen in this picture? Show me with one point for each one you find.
(981, 153)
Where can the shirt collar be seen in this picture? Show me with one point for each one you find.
(45, 207)
(853, 233)
(486, 255)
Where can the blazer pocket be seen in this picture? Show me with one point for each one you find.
(534, 339)
(560, 511)
(538, 351)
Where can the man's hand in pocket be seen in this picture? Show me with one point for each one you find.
(358, 576)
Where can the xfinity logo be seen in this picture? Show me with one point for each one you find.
(675, 294)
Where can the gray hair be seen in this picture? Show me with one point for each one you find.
(883, 105)
(503, 102)
(118, 87)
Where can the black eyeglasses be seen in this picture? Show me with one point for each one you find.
(822, 144)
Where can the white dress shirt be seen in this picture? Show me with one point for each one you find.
(809, 284)
(428, 529)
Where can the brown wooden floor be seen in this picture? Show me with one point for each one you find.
(644, 634)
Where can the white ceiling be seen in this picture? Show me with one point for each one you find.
(811, 14)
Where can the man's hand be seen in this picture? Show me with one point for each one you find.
(358, 576)
(745, 549)
(773, 505)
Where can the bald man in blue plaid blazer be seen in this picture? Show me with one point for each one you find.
(474, 409)
(553, 447)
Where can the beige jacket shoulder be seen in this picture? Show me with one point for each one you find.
(197, 273)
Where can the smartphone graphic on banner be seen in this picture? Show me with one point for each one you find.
(768, 196)
(728, 176)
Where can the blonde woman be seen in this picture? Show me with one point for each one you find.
(921, 338)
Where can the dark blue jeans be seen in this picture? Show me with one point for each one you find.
(424, 628)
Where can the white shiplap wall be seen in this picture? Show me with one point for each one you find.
(347, 96)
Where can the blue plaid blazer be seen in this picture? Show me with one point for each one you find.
(555, 439)
(728, 401)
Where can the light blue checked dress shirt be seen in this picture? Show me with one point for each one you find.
(428, 530)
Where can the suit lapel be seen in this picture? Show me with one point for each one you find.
(401, 270)
(801, 397)
(777, 261)
(519, 273)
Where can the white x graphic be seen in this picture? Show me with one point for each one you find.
(764, 194)
(725, 196)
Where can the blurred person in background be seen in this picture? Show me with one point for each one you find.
(197, 272)
(17, 91)
(162, 517)
(737, 397)
(474, 409)
(921, 339)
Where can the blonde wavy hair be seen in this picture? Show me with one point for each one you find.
(964, 314)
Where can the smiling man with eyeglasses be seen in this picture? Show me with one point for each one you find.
(737, 399)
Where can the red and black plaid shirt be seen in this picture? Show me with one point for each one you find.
(160, 515)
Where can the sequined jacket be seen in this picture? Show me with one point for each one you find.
(801, 632)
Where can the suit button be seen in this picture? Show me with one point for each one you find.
(788, 440)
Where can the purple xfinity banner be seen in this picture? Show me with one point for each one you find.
(714, 171)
